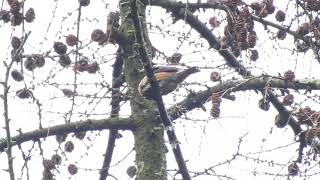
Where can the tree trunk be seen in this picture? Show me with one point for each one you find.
(149, 134)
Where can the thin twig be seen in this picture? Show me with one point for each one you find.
(75, 70)
(6, 88)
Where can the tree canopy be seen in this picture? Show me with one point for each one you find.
(160, 89)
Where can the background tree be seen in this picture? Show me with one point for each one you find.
(70, 77)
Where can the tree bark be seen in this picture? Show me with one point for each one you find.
(149, 133)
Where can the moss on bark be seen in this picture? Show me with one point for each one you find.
(149, 135)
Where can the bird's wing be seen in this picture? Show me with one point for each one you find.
(158, 69)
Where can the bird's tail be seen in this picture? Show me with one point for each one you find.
(181, 76)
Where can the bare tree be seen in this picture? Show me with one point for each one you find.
(115, 78)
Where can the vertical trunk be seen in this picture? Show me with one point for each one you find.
(149, 135)
(150, 151)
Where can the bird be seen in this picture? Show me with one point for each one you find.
(168, 78)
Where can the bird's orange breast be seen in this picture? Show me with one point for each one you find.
(164, 75)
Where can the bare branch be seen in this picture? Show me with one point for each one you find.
(170, 5)
(6, 87)
(231, 60)
(196, 100)
(88, 125)
(115, 108)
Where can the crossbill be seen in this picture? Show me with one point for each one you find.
(168, 78)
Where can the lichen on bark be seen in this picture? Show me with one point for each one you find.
(148, 134)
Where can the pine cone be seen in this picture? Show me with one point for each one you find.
(214, 22)
(281, 35)
(15, 42)
(17, 19)
(288, 100)
(289, 75)
(215, 111)
(81, 65)
(242, 35)
(72, 169)
(254, 55)
(252, 39)
(268, 3)
(97, 35)
(316, 119)
(293, 169)
(174, 59)
(56, 159)
(30, 15)
(215, 76)
(84, 2)
(304, 29)
(15, 7)
(71, 40)
(262, 13)
(24, 93)
(60, 48)
(113, 21)
(216, 98)
(131, 171)
(29, 64)
(16, 75)
(257, 6)
(39, 60)
(304, 115)
(5, 16)
(64, 60)
(250, 25)
(245, 13)
(69, 146)
(271, 9)
(240, 23)
(216, 101)
(313, 5)
(280, 16)
(92, 68)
